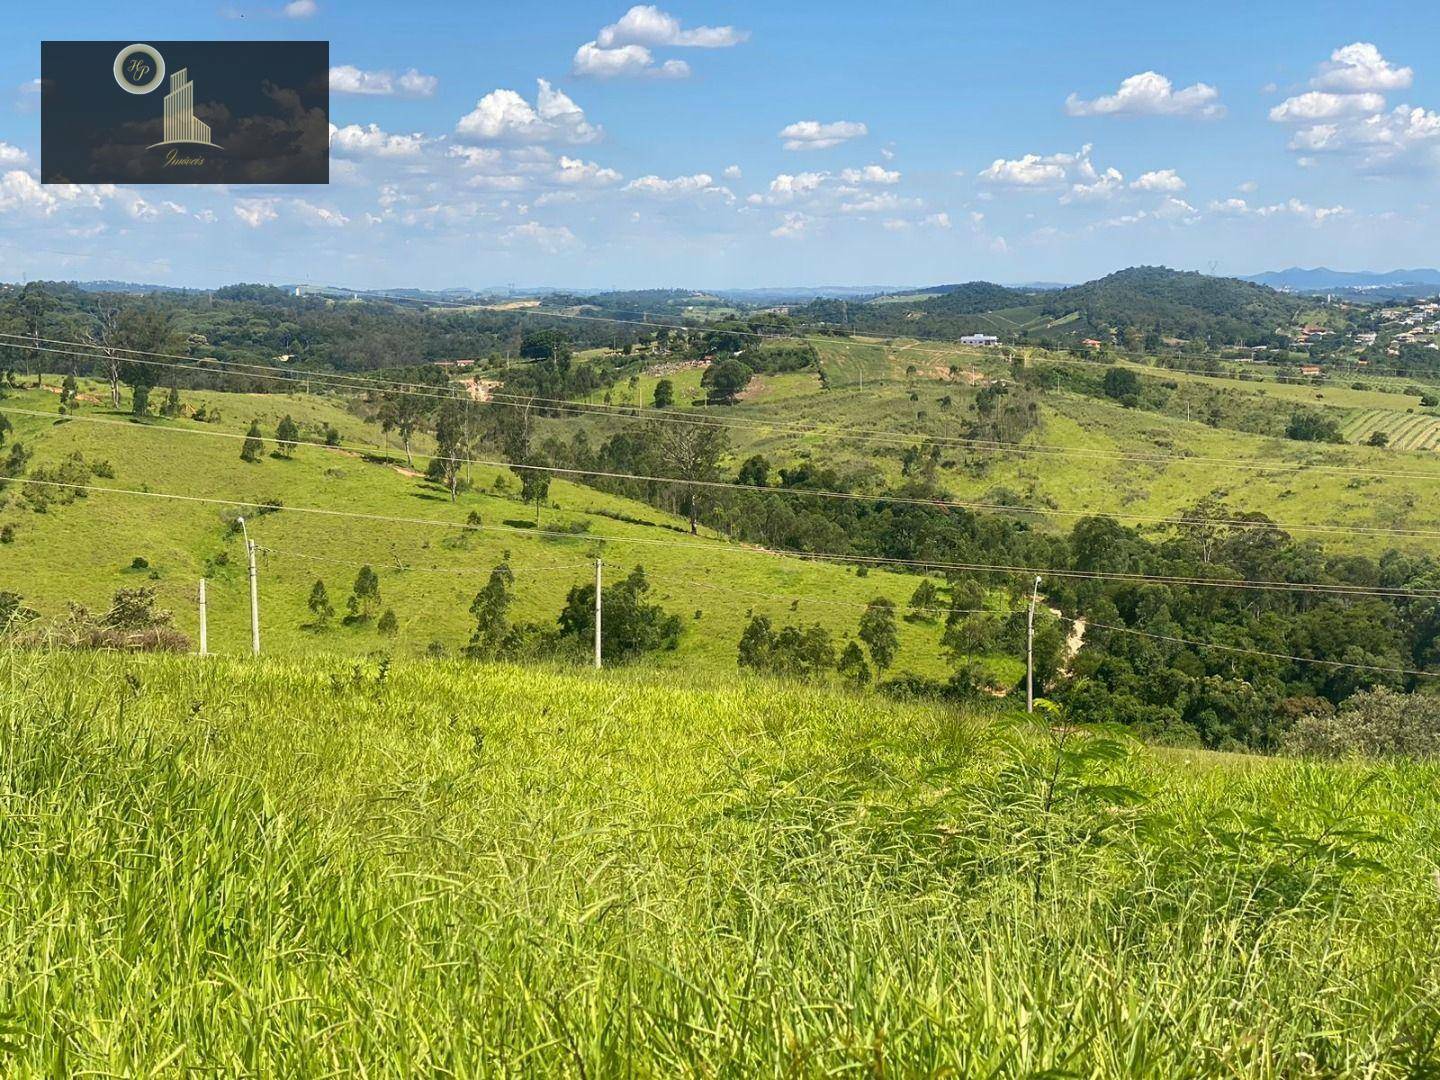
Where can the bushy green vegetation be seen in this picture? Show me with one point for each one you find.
(293, 868)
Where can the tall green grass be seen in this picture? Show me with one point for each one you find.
(323, 867)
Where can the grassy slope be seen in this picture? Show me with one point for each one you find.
(83, 551)
(290, 869)
(1075, 422)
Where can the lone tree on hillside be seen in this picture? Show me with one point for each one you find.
(922, 601)
(727, 379)
(691, 455)
(254, 444)
(389, 625)
(319, 605)
(664, 394)
(287, 435)
(365, 598)
(172, 402)
(877, 630)
(129, 339)
(491, 608)
(69, 395)
(404, 413)
(452, 445)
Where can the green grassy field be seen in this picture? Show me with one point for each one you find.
(430, 569)
(325, 867)
(1311, 486)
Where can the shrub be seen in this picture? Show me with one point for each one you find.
(1372, 723)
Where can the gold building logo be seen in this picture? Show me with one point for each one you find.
(181, 125)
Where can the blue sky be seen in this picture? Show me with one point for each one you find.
(743, 144)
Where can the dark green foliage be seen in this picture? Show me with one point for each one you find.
(852, 665)
(878, 632)
(792, 651)
(365, 597)
(925, 597)
(287, 435)
(254, 444)
(630, 624)
(319, 604)
(754, 471)
(69, 395)
(1122, 384)
(491, 608)
(1378, 438)
(1311, 425)
(452, 446)
(664, 394)
(389, 625)
(726, 379)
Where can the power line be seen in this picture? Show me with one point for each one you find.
(874, 435)
(401, 568)
(849, 496)
(1252, 652)
(880, 561)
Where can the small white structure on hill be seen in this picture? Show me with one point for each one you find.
(979, 339)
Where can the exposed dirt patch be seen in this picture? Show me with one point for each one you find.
(677, 366)
(481, 389)
(89, 399)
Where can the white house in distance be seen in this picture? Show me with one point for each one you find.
(979, 339)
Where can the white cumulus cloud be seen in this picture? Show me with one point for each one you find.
(577, 173)
(645, 24)
(870, 174)
(1322, 105)
(813, 135)
(369, 141)
(504, 115)
(256, 212)
(348, 79)
(660, 187)
(1359, 67)
(1150, 94)
(1042, 171)
(624, 60)
(1167, 180)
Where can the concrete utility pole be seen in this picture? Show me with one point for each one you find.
(254, 591)
(1030, 651)
(204, 642)
(597, 613)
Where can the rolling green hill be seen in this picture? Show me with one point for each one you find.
(1152, 300)
(430, 566)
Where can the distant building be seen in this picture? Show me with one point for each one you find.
(1092, 343)
(1309, 369)
(979, 339)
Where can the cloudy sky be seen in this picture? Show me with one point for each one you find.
(752, 144)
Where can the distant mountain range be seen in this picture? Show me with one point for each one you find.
(1322, 279)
